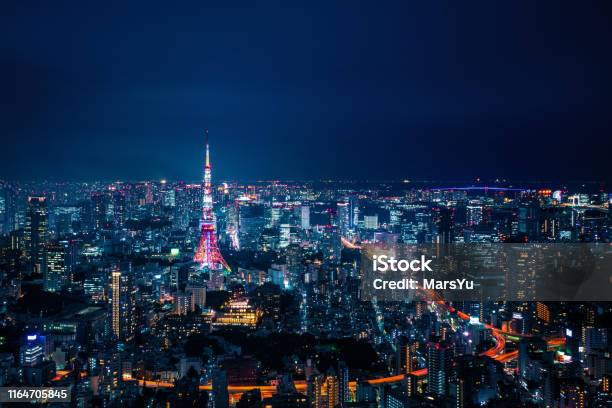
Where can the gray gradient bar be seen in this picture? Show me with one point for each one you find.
(487, 272)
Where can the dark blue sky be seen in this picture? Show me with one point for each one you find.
(349, 90)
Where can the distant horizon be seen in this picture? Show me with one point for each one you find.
(462, 183)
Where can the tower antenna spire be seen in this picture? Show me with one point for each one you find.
(207, 153)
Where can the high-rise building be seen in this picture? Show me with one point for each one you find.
(343, 217)
(459, 394)
(405, 356)
(99, 204)
(305, 217)
(275, 214)
(370, 221)
(198, 295)
(119, 209)
(394, 398)
(183, 303)
(365, 392)
(110, 371)
(573, 394)
(411, 384)
(528, 220)
(543, 312)
(595, 338)
(56, 272)
(331, 244)
(332, 385)
(36, 231)
(353, 211)
(315, 390)
(444, 225)
(439, 359)
(343, 383)
(64, 219)
(179, 275)
(116, 302)
(7, 209)
(250, 224)
(168, 197)
(606, 383)
(285, 235)
(474, 212)
(94, 287)
(33, 351)
(122, 303)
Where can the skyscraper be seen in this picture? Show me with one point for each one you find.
(343, 377)
(36, 231)
(183, 302)
(122, 304)
(33, 351)
(56, 271)
(116, 302)
(343, 217)
(208, 254)
(7, 209)
(439, 357)
(331, 244)
(119, 208)
(305, 217)
(353, 211)
(250, 224)
(315, 391)
(198, 295)
(370, 221)
(405, 355)
(445, 226)
(332, 384)
(98, 206)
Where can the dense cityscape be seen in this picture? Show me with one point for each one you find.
(218, 294)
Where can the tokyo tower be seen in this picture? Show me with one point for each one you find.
(208, 254)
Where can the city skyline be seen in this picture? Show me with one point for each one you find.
(248, 296)
(400, 205)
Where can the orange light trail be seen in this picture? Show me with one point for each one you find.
(349, 244)
(60, 374)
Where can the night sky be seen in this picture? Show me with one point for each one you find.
(348, 91)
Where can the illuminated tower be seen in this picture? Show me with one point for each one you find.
(207, 254)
